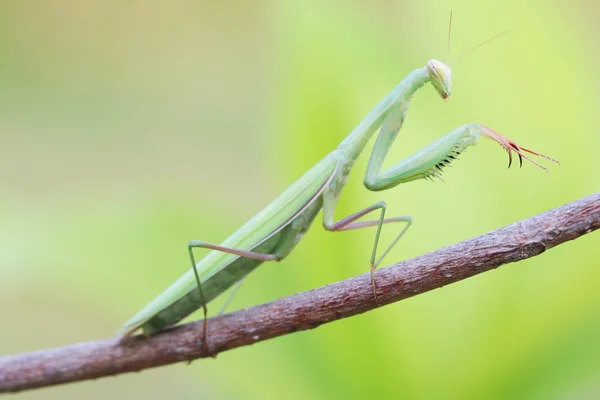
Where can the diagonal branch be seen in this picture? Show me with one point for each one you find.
(521, 240)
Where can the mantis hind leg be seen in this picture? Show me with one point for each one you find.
(350, 222)
(230, 297)
(241, 253)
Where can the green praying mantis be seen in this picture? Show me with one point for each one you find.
(274, 232)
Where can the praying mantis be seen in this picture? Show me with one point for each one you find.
(274, 232)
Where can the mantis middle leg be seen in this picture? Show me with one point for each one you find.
(350, 222)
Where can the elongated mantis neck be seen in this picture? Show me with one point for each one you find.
(355, 143)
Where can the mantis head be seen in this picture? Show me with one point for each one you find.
(441, 78)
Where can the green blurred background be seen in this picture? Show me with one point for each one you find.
(129, 128)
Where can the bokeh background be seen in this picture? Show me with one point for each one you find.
(129, 128)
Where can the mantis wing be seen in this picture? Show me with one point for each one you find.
(259, 228)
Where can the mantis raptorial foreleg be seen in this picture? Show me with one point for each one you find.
(426, 163)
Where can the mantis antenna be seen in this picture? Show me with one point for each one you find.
(477, 45)
(449, 30)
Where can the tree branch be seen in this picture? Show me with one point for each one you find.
(521, 240)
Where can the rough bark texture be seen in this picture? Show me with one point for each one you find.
(521, 240)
